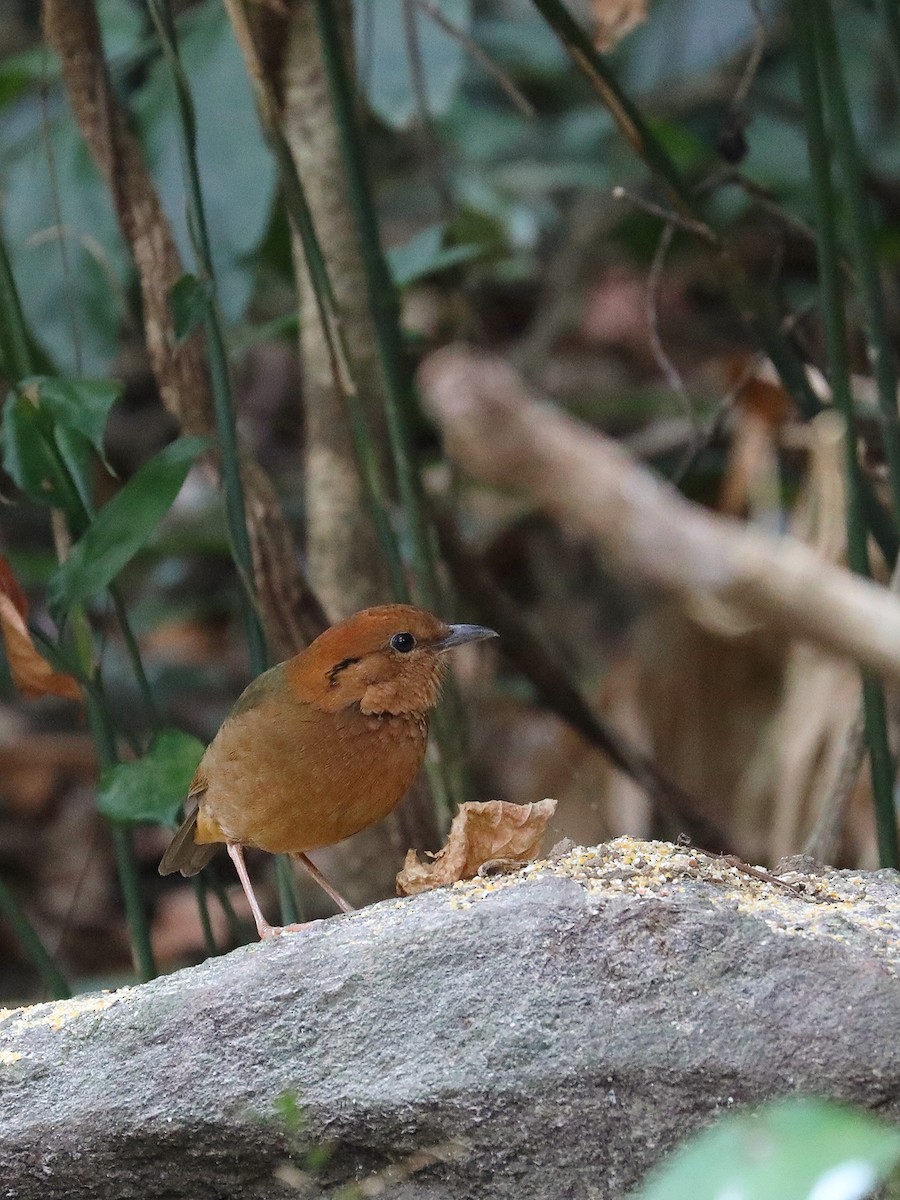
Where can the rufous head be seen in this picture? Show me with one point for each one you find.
(390, 659)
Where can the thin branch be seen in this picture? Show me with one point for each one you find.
(665, 364)
(668, 216)
(501, 435)
(820, 78)
(430, 150)
(755, 58)
(484, 60)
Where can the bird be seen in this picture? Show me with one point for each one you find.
(319, 747)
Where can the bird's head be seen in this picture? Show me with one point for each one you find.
(385, 660)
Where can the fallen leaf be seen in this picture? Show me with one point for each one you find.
(31, 672)
(480, 833)
(758, 390)
(614, 19)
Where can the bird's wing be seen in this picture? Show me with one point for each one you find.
(257, 691)
(197, 788)
(183, 853)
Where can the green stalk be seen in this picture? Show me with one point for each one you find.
(451, 782)
(287, 892)
(220, 377)
(862, 234)
(367, 456)
(134, 655)
(383, 304)
(236, 930)
(32, 945)
(129, 879)
(831, 282)
(300, 217)
(198, 883)
(627, 116)
(890, 14)
(15, 345)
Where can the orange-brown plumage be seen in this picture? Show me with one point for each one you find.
(321, 746)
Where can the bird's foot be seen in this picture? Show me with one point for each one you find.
(267, 931)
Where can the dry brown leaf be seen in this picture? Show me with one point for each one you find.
(480, 833)
(31, 673)
(756, 392)
(614, 19)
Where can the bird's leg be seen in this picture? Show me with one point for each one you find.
(323, 883)
(263, 928)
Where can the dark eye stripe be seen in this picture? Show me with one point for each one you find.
(338, 667)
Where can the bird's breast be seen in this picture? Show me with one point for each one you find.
(290, 778)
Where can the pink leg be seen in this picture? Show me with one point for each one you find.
(263, 928)
(323, 883)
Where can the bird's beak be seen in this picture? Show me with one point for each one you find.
(460, 634)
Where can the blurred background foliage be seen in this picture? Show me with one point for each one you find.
(495, 170)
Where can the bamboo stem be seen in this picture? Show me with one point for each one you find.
(15, 345)
(199, 886)
(805, 22)
(861, 232)
(220, 377)
(129, 880)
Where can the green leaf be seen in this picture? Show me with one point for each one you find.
(384, 66)
(151, 790)
(31, 456)
(50, 428)
(787, 1150)
(122, 527)
(79, 404)
(425, 254)
(189, 303)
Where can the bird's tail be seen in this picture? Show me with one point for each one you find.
(184, 854)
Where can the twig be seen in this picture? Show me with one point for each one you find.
(484, 60)
(669, 216)
(665, 364)
(745, 868)
(755, 58)
(430, 151)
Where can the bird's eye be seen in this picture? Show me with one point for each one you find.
(403, 642)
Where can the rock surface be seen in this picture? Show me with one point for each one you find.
(545, 1034)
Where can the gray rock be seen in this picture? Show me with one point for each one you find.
(546, 1034)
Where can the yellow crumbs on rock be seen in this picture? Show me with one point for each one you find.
(56, 1014)
(8, 1057)
(829, 905)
